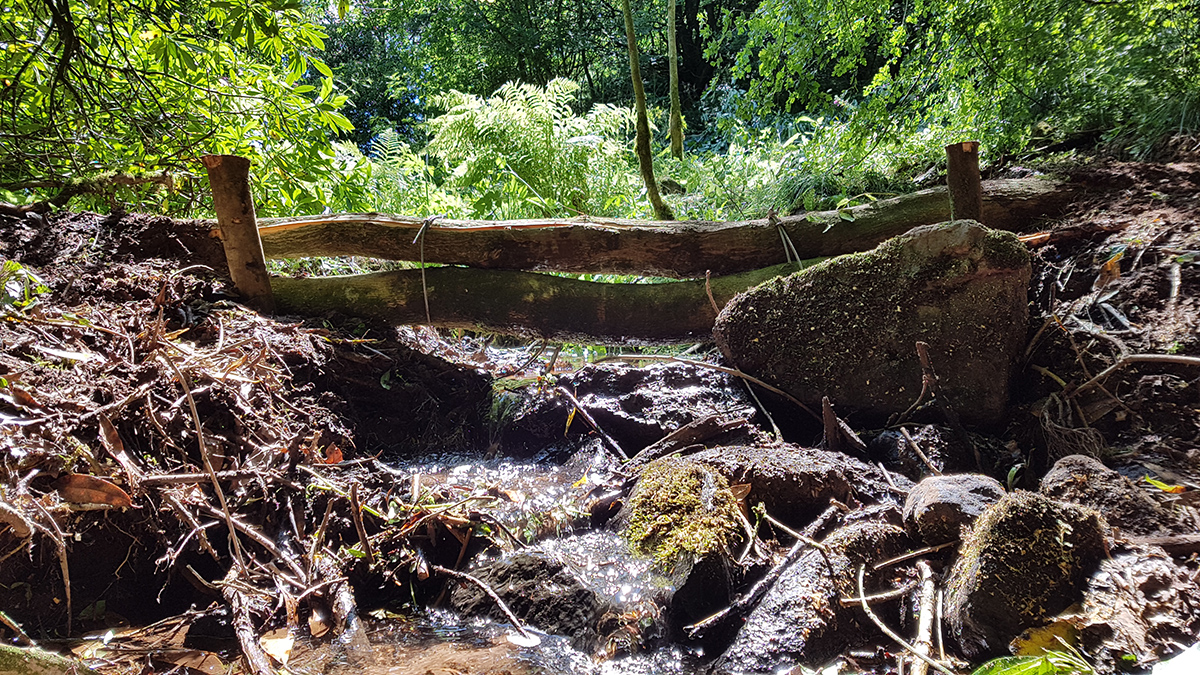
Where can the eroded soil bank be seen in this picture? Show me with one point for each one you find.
(365, 470)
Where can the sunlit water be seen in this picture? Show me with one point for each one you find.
(545, 505)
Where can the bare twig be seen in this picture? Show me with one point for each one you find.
(490, 593)
(891, 633)
(917, 449)
(608, 440)
(923, 645)
(930, 378)
(187, 391)
(912, 554)
(708, 290)
(356, 516)
(879, 597)
(1136, 358)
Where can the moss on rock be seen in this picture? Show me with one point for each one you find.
(1026, 559)
(846, 327)
(681, 507)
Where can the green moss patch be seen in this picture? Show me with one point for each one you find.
(680, 507)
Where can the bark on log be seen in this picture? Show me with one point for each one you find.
(681, 250)
(525, 303)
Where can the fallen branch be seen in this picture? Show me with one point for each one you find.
(681, 250)
(745, 604)
(243, 626)
(891, 633)
(1135, 358)
(463, 576)
(923, 645)
(524, 303)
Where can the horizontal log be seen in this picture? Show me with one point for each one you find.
(525, 303)
(684, 249)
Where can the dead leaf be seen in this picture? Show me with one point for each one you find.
(116, 447)
(79, 488)
(333, 455)
(317, 624)
(740, 490)
(197, 660)
(278, 644)
(1110, 271)
(23, 398)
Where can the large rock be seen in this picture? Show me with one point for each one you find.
(940, 506)
(1085, 480)
(1027, 559)
(541, 591)
(846, 327)
(635, 406)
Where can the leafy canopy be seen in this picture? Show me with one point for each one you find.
(118, 92)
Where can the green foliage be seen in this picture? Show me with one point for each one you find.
(524, 151)
(916, 74)
(136, 90)
(1049, 663)
(19, 288)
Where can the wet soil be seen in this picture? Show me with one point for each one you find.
(138, 322)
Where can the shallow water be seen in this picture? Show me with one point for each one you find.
(544, 504)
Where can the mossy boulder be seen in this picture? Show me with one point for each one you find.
(681, 510)
(1026, 559)
(846, 328)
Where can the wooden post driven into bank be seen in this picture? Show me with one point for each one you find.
(229, 177)
(962, 177)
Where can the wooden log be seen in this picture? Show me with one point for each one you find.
(525, 303)
(229, 177)
(681, 250)
(962, 177)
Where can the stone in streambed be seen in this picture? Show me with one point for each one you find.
(1026, 559)
(846, 328)
(940, 506)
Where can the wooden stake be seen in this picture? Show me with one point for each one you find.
(229, 176)
(962, 169)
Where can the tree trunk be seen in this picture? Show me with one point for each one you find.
(642, 142)
(676, 129)
(683, 250)
(525, 303)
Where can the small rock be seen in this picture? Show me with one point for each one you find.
(800, 619)
(1085, 480)
(939, 506)
(541, 592)
(795, 483)
(1026, 559)
(846, 328)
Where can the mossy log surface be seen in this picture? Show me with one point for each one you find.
(34, 661)
(525, 303)
(681, 250)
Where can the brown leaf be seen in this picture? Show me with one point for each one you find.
(79, 488)
(333, 455)
(23, 398)
(740, 490)
(199, 661)
(112, 442)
